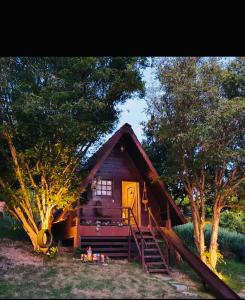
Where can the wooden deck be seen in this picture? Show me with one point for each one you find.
(92, 230)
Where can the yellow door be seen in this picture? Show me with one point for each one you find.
(130, 198)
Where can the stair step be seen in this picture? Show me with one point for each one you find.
(154, 263)
(152, 256)
(106, 238)
(109, 249)
(151, 249)
(104, 243)
(117, 254)
(157, 270)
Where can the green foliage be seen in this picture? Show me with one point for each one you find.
(183, 203)
(77, 252)
(233, 221)
(185, 232)
(196, 120)
(229, 241)
(12, 229)
(233, 273)
(53, 109)
(195, 134)
(52, 252)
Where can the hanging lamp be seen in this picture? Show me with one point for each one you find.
(144, 197)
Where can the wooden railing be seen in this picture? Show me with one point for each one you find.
(142, 244)
(94, 218)
(155, 227)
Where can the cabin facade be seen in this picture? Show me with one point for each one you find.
(123, 204)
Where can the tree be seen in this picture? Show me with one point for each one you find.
(198, 121)
(52, 110)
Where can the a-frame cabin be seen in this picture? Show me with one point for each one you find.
(126, 211)
(123, 206)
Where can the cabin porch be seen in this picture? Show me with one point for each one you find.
(120, 236)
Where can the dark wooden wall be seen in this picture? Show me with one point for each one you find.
(120, 166)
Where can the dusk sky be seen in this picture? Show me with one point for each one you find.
(133, 111)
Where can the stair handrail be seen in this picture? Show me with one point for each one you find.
(140, 248)
(151, 216)
(136, 223)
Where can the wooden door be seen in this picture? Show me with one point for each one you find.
(130, 198)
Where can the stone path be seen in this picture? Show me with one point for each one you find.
(182, 288)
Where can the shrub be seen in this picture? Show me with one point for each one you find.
(52, 252)
(77, 253)
(229, 241)
(12, 229)
(233, 221)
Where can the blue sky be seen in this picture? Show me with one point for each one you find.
(133, 111)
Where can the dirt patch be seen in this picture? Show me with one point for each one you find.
(19, 253)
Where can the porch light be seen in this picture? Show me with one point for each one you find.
(144, 197)
(122, 148)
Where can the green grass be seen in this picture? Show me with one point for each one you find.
(231, 272)
(64, 277)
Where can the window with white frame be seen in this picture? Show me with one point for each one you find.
(104, 188)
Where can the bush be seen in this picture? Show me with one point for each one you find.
(233, 221)
(229, 241)
(52, 252)
(77, 253)
(12, 229)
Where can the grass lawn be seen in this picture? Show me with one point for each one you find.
(25, 275)
(233, 273)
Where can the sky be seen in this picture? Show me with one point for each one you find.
(133, 110)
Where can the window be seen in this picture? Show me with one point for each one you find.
(104, 188)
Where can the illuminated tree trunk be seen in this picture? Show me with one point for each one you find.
(202, 242)
(213, 247)
(198, 228)
(198, 211)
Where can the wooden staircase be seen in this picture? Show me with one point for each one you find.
(112, 246)
(140, 243)
(152, 257)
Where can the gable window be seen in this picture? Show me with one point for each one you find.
(104, 188)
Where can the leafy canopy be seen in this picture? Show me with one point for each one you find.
(54, 109)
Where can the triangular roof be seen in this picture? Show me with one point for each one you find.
(100, 156)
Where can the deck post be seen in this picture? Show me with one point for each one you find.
(76, 239)
(168, 222)
(128, 216)
(142, 255)
(149, 216)
(129, 245)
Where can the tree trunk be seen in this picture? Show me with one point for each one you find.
(202, 242)
(28, 227)
(198, 228)
(33, 238)
(213, 247)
